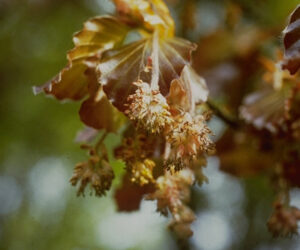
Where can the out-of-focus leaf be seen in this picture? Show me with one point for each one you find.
(226, 59)
(153, 14)
(119, 68)
(86, 135)
(265, 109)
(98, 34)
(129, 196)
(293, 112)
(292, 43)
(224, 44)
(243, 155)
(291, 164)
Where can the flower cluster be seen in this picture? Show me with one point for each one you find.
(97, 172)
(172, 195)
(284, 220)
(141, 172)
(148, 108)
(147, 92)
(135, 152)
(189, 138)
(186, 134)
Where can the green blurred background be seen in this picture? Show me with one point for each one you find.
(38, 207)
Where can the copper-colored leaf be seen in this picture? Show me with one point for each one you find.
(70, 83)
(265, 109)
(97, 112)
(292, 43)
(291, 167)
(153, 15)
(129, 195)
(188, 90)
(98, 34)
(244, 155)
(119, 68)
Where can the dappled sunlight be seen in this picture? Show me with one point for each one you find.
(143, 229)
(11, 195)
(212, 231)
(188, 125)
(48, 189)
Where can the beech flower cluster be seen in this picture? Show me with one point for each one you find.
(148, 94)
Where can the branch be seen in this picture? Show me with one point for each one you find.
(228, 119)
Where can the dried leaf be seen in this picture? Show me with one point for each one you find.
(292, 43)
(119, 68)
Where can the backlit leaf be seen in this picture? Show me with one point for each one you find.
(188, 90)
(153, 14)
(292, 43)
(119, 68)
(98, 34)
(265, 109)
(244, 155)
(97, 112)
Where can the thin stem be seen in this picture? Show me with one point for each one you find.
(155, 62)
(229, 120)
(100, 142)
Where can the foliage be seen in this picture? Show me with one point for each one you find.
(137, 80)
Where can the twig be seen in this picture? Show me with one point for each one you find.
(229, 120)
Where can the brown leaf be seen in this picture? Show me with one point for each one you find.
(244, 155)
(119, 68)
(292, 43)
(129, 196)
(97, 112)
(70, 83)
(153, 15)
(98, 34)
(265, 109)
(187, 90)
(291, 167)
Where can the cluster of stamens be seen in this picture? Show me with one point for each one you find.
(148, 108)
(97, 172)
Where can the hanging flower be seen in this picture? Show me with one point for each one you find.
(188, 139)
(135, 152)
(172, 194)
(96, 172)
(284, 220)
(149, 108)
(173, 191)
(141, 171)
